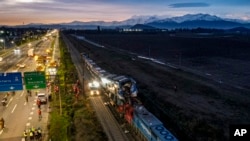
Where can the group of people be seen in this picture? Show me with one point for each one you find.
(33, 133)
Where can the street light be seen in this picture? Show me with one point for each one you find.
(2, 40)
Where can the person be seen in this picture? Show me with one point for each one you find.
(25, 134)
(39, 113)
(27, 98)
(2, 123)
(29, 92)
(31, 135)
(4, 101)
(38, 102)
(39, 131)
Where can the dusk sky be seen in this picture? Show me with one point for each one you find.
(17, 12)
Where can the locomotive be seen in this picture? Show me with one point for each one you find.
(122, 93)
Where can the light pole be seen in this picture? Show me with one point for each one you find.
(2, 40)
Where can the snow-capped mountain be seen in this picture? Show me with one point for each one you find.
(185, 21)
(193, 17)
(198, 20)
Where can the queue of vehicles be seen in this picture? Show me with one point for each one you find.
(122, 92)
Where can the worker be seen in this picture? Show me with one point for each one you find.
(38, 102)
(31, 135)
(39, 113)
(25, 134)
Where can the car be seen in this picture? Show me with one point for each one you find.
(20, 65)
(42, 97)
(17, 50)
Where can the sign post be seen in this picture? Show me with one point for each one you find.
(35, 80)
(11, 81)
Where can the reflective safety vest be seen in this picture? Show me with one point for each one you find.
(24, 134)
(31, 134)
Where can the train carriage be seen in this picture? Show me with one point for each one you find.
(122, 92)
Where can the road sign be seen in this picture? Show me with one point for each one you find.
(35, 80)
(11, 81)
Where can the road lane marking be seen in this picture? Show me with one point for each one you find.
(31, 113)
(13, 108)
(25, 103)
(28, 124)
(1, 131)
(30, 118)
(34, 104)
(9, 102)
(33, 108)
(22, 94)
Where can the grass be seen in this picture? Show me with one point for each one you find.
(77, 121)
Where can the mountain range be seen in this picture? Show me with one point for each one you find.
(187, 21)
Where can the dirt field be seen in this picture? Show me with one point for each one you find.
(204, 105)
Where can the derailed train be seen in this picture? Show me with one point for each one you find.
(122, 92)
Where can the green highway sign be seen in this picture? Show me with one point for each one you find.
(35, 80)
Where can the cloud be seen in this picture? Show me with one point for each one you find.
(192, 4)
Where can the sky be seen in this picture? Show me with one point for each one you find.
(18, 12)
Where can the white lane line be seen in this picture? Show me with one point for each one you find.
(9, 102)
(34, 104)
(28, 124)
(31, 113)
(30, 118)
(33, 108)
(13, 108)
(1, 131)
(25, 103)
(22, 94)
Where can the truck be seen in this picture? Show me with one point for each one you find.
(94, 88)
(31, 52)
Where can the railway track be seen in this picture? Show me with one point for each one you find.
(110, 125)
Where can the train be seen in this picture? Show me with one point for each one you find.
(122, 93)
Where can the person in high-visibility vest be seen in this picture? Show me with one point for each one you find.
(31, 135)
(25, 134)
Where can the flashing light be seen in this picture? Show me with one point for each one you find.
(96, 84)
(105, 80)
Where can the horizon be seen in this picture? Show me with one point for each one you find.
(23, 12)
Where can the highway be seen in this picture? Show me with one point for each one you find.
(18, 114)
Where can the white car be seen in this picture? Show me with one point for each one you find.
(21, 65)
(42, 97)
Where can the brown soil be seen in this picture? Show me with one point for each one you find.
(201, 109)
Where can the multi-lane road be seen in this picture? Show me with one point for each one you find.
(19, 114)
